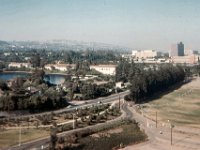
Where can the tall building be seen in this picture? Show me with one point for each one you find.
(177, 49)
(180, 49)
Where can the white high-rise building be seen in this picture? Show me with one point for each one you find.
(144, 53)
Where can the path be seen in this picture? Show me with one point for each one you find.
(183, 138)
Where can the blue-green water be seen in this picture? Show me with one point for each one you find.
(52, 78)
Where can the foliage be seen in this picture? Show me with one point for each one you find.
(3, 85)
(30, 94)
(150, 81)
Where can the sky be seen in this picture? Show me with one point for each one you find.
(138, 24)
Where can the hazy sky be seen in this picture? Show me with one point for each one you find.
(139, 24)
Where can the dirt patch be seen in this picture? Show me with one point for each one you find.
(107, 133)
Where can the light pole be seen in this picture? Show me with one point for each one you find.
(20, 135)
(156, 119)
(172, 126)
(73, 121)
(119, 102)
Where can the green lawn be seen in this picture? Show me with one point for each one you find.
(181, 106)
(11, 137)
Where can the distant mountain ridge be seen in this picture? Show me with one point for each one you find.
(3, 43)
(61, 45)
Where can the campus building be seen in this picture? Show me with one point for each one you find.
(19, 65)
(190, 59)
(144, 53)
(60, 67)
(105, 69)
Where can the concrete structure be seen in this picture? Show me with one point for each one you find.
(144, 53)
(119, 85)
(60, 67)
(127, 56)
(188, 52)
(134, 52)
(177, 50)
(19, 65)
(191, 59)
(6, 54)
(105, 69)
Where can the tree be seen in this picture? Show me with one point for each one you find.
(18, 83)
(36, 60)
(148, 82)
(38, 74)
(53, 138)
(3, 85)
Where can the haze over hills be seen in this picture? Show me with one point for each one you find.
(3, 43)
(59, 45)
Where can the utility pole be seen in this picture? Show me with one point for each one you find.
(171, 135)
(172, 126)
(20, 135)
(119, 102)
(156, 119)
(73, 122)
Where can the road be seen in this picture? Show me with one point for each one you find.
(158, 138)
(36, 144)
(108, 99)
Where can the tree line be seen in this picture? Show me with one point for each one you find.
(148, 82)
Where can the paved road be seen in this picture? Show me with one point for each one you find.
(183, 138)
(108, 99)
(36, 144)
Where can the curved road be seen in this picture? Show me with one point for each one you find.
(158, 138)
(107, 99)
(36, 144)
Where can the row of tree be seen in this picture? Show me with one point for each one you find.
(40, 57)
(148, 82)
(32, 103)
(91, 91)
(126, 70)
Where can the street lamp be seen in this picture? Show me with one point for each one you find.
(156, 119)
(20, 135)
(73, 121)
(119, 102)
(171, 126)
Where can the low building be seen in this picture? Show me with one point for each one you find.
(144, 53)
(119, 85)
(127, 56)
(134, 52)
(6, 54)
(19, 65)
(191, 59)
(105, 69)
(60, 67)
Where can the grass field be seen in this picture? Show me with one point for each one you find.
(11, 137)
(181, 106)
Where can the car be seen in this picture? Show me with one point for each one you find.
(70, 106)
